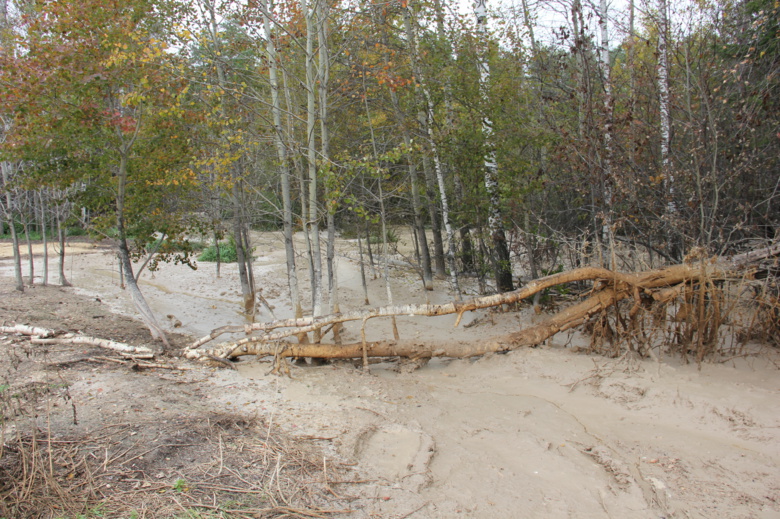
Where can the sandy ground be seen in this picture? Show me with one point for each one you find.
(543, 432)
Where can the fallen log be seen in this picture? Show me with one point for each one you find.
(139, 352)
(609, 288)
(567, 318)
(23, 329)
(40, 335)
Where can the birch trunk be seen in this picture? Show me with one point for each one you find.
(429, 120)
(665, 116)
(312, 224)
(501, 260)
(662, 286)
(606, 162)
(281, 155)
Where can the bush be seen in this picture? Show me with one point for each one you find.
(76, 231)
(227, 253)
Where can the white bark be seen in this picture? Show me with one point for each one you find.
(429, 120)
(24, 329)
(312, 225)
(120, 347)
(606, 161)
(501, 260)
(281, 154)
(663, 103)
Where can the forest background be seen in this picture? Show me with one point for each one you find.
(620, 137)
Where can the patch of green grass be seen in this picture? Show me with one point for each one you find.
(227, 253)
(169, 246)
(180, 485)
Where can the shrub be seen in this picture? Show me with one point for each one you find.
(227, 253)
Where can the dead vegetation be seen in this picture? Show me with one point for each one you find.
(61, 460)
(210, 465)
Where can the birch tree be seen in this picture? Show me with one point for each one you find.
(666, 123)
(411, 36)
(606, 155)
(282, 158)
(312, 227)
(501, 261)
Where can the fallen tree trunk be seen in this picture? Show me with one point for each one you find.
(609, 288)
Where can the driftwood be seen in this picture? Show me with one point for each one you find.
(23, 329)
(138, 352)
(46, 336)
(609, 287)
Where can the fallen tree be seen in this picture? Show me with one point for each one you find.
(695, 285)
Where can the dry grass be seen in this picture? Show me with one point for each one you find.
(214, 466)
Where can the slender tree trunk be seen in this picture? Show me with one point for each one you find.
(30, 256)
(218, 251)
(382, 213)
(363, 271)
(467, 248)
(6, 169)
(123, 250)
(419, 226)
(370, 253)
(666, 127)
(312, 225)
(240, 231)
(44, 231)
(324, 77)
(631, 81)
(502, 264)
(414, 180)
(61, 238)
(284, 169)
(606, 162)
(431, 188)
(416, 67)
